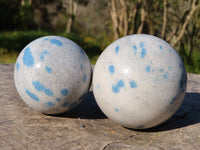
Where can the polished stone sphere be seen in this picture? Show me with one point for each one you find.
(139, 81)
(52, 74)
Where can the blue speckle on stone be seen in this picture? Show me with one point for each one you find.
(161, 70)
(170, 50)
(143, 52)
(58, 99)
(165, 76)
(50, 104)
(115, 88)
(82, 52)
(117, 49)
(160, 46)
(65, 104)
(43, 54)
(98, 87)
(41, 88)
(33, 96)
(38, 86)
(82, 96)
(133, 84)
(135, 49)
(42, 57)
(81, 66)
(85, 78)
(148, 68)
(116, 109)
(170, 68)
(48, 69)
(172, 101)
(121, 83)
(46, 39)
(48, 92)
(72, 105)
(111, 69)
(28, 58)
(56, 42)
(64, 92)
(17, 66)
(142, 45)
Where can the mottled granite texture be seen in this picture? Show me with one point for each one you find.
(52, 74)
(139, 81)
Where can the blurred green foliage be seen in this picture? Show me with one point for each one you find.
(192, 63)
(15, 16)
(92, 29)
(13, 42)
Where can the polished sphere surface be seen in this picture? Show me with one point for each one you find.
(52, 74)
(139, 81)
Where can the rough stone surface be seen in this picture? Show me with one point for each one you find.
(85, 127)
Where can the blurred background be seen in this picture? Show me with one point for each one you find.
(94, 24)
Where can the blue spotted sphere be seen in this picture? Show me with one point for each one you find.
(52, 74)
(139, 81)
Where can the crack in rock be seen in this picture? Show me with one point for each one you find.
(117, 141)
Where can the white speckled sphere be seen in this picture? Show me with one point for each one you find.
(52, 74)
(139, 81)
